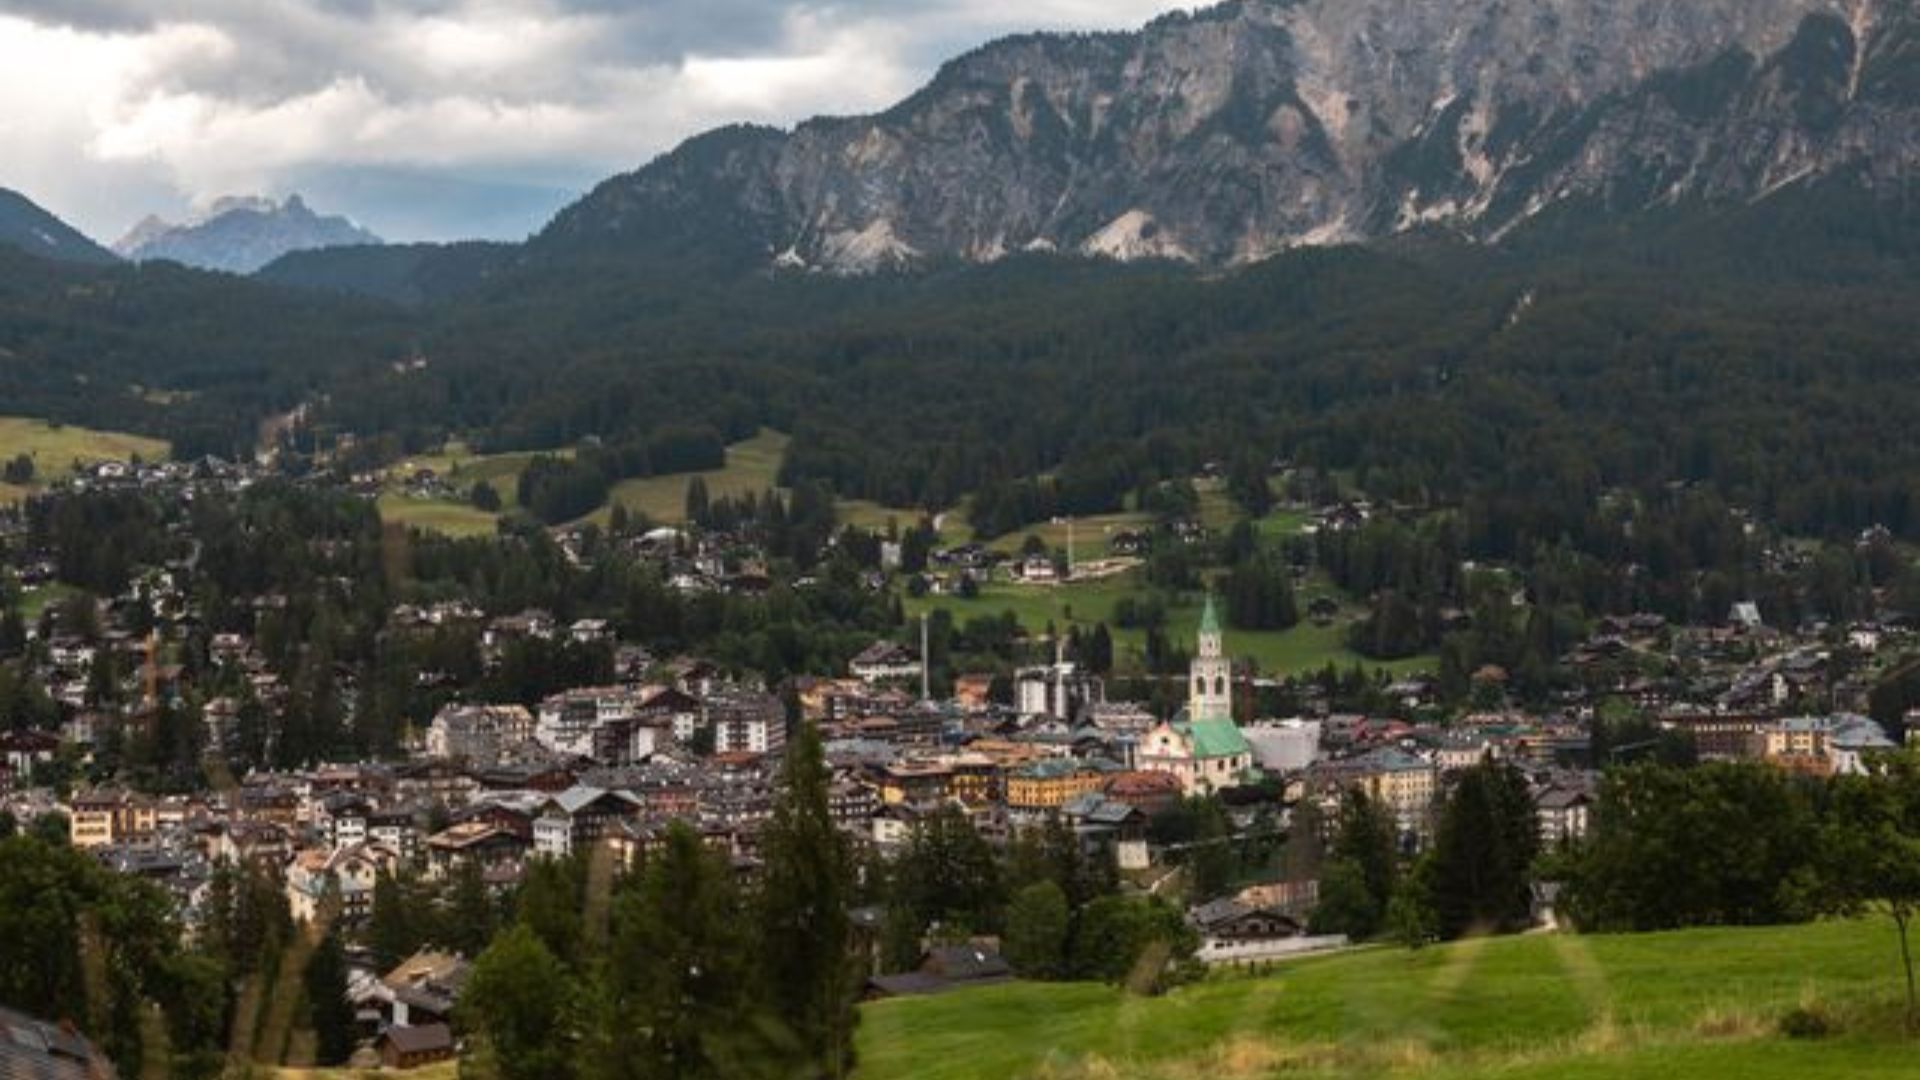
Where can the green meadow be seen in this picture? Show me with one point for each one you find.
(57, 448)
(1702, 1003)
(1304, 648)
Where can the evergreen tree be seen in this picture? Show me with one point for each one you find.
(1038, 922)
(391, 932)
(329, 1013)
(550, 906)
(1368, 838)
(698, 502)
(808, 971)
(1099, 650)
(470, 912)
(1346, 905)
(679, 989)
(1131, 942)
(1478, 878)
(520, 1009)
(948, 874)
(1247, 485)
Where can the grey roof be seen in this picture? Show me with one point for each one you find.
(967, 963)
(33, 1049)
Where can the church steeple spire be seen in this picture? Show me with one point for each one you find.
(1210, 636)
(1212, 676)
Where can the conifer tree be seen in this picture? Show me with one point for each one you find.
(1483, 851)
(678, 985)
(809, 975)
(328, 1011)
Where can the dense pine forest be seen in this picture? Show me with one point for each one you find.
(1761, 351)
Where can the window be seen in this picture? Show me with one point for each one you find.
(1220, 686)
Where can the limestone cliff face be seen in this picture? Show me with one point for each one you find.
(1230, 134)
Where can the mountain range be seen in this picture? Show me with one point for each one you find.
(241, 235)
(1227, 135)
(1220, 138)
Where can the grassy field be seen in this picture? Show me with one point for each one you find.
(1305, 648)
(436, 515)
(55, 450)
(447, 1070)
(752, 466)
(461, 468)
(1693, 1004)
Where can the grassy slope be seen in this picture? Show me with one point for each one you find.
(54, 450)
(1699, 1003)
(462, 468)
(443, 516)
(752, 466)
(1305, 648)
(441, 1071)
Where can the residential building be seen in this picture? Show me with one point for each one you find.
(1048, 784)
(346, 876)
(885, 661)
(477, 733)
(1389, 776)
(574, 819)
(747, 722)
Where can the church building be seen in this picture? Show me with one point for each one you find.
(1202, 746)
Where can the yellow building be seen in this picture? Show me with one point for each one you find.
(102, 817)
(916, 783)
(1403, 784)
(1051, 784)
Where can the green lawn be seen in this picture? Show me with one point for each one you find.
(871, 516)
(446, 1070)
(34, 602)
(443, 516)
(1091, 535)
(752, 466)
(55, 449)
(1305, 648)
(461, 468)
(1692, 1004)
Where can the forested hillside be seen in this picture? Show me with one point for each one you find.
(1765, 351)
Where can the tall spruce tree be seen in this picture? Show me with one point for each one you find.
(1478, 877)
(678, 991)
(519, 1010)
(390, 929)
(809, 974)
(329, 1012)
(1367, 839)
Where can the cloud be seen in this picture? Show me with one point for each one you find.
(110, 109)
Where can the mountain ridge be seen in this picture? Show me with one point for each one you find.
(241, 235)
(30, 227)
(1223, 136)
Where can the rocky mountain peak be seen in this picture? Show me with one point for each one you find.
(1231, 133)
(241, 234)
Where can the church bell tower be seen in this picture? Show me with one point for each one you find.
(1211, 685)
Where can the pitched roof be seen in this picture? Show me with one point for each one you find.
(427, 1038)
(36, 1049)
(1215, 737)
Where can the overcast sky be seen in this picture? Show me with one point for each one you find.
(438, 119)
